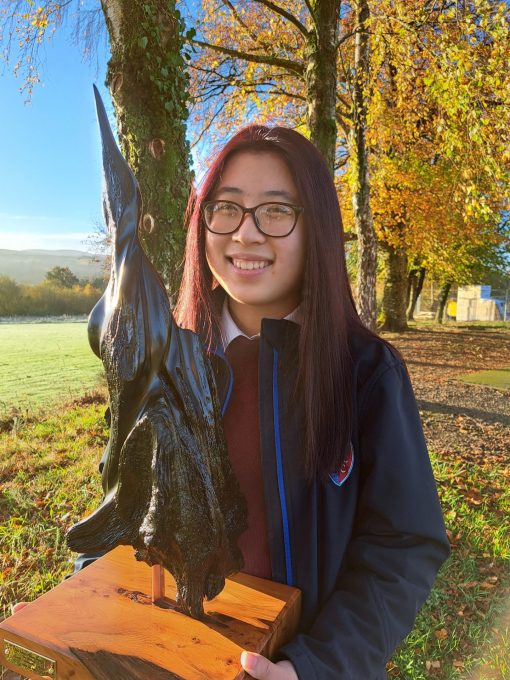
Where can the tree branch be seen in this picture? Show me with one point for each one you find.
(284, 93)
(237, 17)
(344, 101)
(310, 9)
(286, 15)
(206, 128)
(219, 82)
(213, 76)
(286, 64)
(341, 121)
(341, 163)
(346, 37)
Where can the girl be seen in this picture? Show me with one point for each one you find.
(320, 418)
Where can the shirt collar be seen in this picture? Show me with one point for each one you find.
(230, 330)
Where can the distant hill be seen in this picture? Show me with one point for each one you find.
(30, 266)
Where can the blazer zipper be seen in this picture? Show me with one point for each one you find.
(230, 387)
(279, 472)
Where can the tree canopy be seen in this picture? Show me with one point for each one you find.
(409, 100)
(62, 276)
(430, 94)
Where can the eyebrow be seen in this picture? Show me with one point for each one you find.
(270, 194)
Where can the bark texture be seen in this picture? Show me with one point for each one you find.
(442, 299)
(367, 242)
(148, 84)
(395, 289)
(321, 78)
(416, 281)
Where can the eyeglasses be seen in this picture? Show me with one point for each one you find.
(272, 219)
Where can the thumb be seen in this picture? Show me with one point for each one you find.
(258, 666)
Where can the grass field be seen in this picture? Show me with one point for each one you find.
(41, 363)
(49, 480)
(499, 379)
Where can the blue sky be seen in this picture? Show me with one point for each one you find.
(50, 174)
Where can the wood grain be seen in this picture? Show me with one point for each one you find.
(103, 618)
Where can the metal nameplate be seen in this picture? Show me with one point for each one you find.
(29, 660)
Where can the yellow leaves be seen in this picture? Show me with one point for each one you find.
(30, 27)
(437, 119)
(244, 90)
(39, 19)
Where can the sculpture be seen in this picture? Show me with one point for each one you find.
(169, 488)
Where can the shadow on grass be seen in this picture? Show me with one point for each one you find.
(431, 364)
(479, 414)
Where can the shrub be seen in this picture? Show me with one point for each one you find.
(11, 296)
(45, 299)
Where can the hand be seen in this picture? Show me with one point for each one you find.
(260, 667)
(17, 607)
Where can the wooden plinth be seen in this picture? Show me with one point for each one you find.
(101, 624)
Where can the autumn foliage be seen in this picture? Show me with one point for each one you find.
(438, 125)
(409, 100)
(437, 92)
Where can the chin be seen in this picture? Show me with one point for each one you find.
(250, 301)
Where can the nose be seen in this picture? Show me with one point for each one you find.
(248, 232)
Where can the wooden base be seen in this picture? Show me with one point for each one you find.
(101, 624)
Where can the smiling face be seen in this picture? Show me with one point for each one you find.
(261, 275)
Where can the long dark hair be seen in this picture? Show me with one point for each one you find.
(328, 310)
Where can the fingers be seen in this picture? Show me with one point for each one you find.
(261, 668)
(256, 665)
(18, 606)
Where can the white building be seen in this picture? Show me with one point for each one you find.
(474, 303)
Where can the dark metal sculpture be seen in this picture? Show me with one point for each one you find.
(169, 487)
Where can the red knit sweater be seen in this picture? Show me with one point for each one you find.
(242, 431)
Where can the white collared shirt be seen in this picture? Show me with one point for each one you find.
(230, 330)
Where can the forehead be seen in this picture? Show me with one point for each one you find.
(258, 174)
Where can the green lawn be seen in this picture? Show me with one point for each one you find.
(49, 480)
(500, 379)
(43, 363)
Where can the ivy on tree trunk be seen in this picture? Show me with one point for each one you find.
(148, 83)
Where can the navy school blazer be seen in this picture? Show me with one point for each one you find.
(364, 547)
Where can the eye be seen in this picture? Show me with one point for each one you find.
(225, 209)
(277, 211)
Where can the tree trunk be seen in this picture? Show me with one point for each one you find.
(443, 297)
(416, 288)
(148, 82)
(321, 78)
(395, 289)
(367, 243)
(411, 285)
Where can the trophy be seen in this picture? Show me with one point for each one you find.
(180, 607)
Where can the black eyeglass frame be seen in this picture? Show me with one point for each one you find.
(298, 210)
